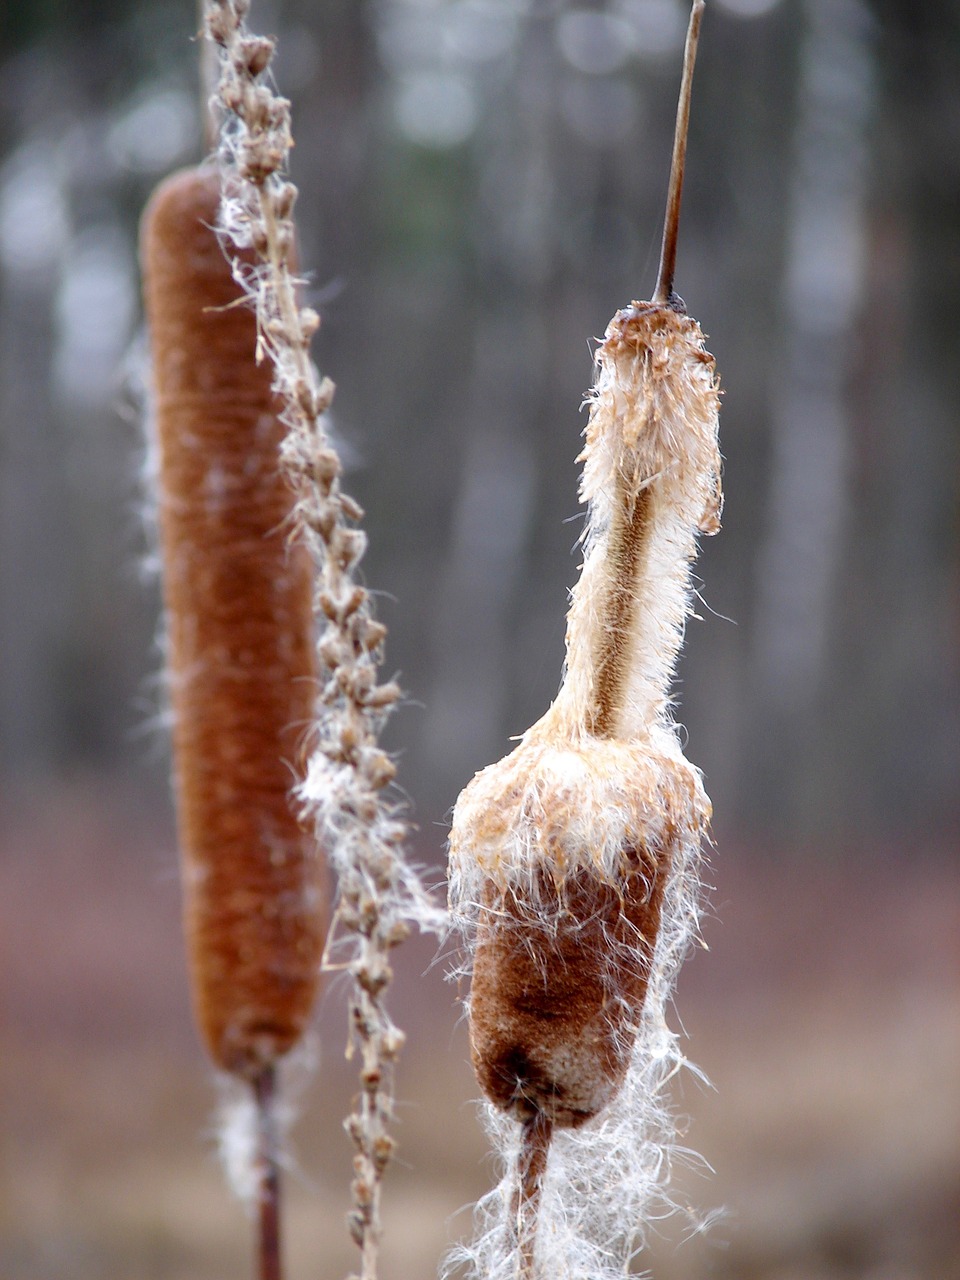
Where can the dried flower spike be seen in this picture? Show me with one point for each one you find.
(573, 859)
(243, 678)
(344, 795)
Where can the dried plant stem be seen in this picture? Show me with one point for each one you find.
(267, 1173)
(535, 1137)
(671, 222)
(343, 794)
(573, 860)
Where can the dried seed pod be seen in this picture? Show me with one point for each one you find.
(574, 833)
(564, 847)
(240, 645)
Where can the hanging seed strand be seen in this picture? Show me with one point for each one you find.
(574, 860)
(344, 793)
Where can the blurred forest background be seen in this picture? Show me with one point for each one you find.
(482, 184)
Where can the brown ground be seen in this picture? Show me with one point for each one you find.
(826, 1015)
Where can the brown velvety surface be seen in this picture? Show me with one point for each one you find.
(554, 1002)
(239, 641)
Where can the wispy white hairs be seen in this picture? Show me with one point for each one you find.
(345, 792)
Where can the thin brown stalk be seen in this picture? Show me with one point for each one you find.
(267, 1172)
(671, 222)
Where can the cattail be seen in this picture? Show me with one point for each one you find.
(571, 859)
(240, 648)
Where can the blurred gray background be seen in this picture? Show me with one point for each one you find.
(482, 184)
(481, 187)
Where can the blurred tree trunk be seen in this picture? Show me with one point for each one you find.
(800, 605)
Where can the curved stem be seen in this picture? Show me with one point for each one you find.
(671, 221)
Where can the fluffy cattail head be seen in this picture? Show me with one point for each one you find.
(651, 479)
(240, 647)
(654, 412)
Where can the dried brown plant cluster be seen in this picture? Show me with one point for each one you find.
(344, 794)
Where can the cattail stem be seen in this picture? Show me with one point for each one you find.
(671, 222)
(535, 1137)
(267, 1174)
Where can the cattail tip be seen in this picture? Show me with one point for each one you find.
(664, 292)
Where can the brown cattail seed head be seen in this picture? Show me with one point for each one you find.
(240, 643)
(567, 848)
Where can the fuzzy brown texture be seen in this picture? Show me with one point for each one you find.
(240, 646)
(631, 528)
(558, 991)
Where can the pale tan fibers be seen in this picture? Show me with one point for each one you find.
(345, 795)
(602, 769)
(573, 861)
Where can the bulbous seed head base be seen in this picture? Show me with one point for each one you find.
(565, 851)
